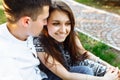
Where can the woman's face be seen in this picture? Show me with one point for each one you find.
(59, 25)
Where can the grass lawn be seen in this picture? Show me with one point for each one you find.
(0, 2)
(109, 8)
(2, 16)
(100, 49)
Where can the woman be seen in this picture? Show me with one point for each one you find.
(61, 51)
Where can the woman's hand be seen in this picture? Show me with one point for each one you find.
(119, 75)
(112, 74)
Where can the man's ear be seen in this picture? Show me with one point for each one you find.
(26, 21)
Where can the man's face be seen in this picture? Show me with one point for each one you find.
(37, 25)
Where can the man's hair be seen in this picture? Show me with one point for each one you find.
(15, 9)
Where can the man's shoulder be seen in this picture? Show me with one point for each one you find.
(2, 26)
(3, 31)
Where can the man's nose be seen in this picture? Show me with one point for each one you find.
(45, 22)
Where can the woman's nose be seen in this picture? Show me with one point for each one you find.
(63, 29)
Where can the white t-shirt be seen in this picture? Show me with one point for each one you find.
(18, 60)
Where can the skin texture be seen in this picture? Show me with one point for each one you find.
(59, 26)
(37, 26)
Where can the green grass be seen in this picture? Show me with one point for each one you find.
(113, 9)
(2, 15)
(0, 2)
(88, 2)
(99, 49)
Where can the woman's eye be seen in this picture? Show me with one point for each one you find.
(55, 24)
(67, 24)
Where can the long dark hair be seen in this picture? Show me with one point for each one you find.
(51, 46)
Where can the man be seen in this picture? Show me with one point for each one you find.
(25, 18)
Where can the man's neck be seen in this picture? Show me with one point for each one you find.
(17, 31)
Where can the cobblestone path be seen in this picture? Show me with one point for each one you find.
(98, 24)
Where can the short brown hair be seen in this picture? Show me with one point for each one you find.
(15, 9)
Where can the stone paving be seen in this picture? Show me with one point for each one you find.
(98, 24)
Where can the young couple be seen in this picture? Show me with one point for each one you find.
(61, 53)
(59, 49)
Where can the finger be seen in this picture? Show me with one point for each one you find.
(110, 70)
(116, 70)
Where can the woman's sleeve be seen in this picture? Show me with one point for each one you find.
(38, 45)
